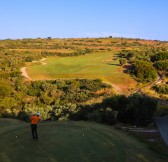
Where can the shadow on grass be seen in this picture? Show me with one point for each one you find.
(113, 64)
(127, 67)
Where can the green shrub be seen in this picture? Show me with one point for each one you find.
(162, 89)
(144, 71)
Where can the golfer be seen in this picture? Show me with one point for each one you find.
(34, 120)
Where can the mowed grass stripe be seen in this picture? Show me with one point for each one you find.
(92, 66)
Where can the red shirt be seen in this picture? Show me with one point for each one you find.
(34, 119)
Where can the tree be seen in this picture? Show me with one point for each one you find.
(160, 56)
(144, 71)
(142, 108)
(161, 65)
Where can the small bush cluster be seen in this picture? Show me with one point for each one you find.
(161, 89)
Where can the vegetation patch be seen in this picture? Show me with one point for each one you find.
(161, 89)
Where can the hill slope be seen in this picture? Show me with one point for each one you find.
(70, 142)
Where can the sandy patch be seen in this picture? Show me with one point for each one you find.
(24, 73)
(23, 69)
(117, 88)
(43, 63)
(43, 59)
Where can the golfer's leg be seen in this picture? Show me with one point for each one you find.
(32, 129)
(35, 131)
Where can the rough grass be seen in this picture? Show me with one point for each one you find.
(104, 66)
(70, 142)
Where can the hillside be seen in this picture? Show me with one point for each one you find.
(71, 141)
(91, 71)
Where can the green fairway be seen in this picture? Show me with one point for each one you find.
(102, 66)
(70, 142)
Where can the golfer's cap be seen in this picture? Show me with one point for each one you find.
(38, 113)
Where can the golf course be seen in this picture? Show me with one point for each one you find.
(100, 65)
(71, 142)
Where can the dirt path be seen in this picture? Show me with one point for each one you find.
(117, 88)
(43, 59)
(23, 69)
(24, 73)
(159, 80)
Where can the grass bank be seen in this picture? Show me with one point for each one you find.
(70, 142)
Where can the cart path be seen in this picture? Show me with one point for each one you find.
(24, 73)
(23, 69)
(116, 87)
(157, 81)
